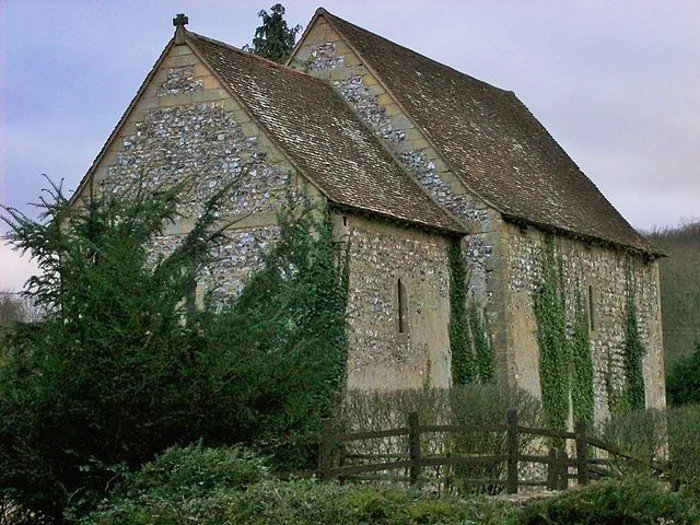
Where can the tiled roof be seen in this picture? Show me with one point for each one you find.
(492, 142)
(323, 137)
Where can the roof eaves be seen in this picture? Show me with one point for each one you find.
(395, 99)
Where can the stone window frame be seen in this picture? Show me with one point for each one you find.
(590, 306)
(401, 299)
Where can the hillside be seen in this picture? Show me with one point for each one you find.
(680, 288)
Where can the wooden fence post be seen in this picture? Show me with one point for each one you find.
(324, 451)
(553, 470)
(563, 469)
(581, 453)
(414, 446)
(512, 480)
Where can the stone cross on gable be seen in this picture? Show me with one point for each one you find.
(180, 21)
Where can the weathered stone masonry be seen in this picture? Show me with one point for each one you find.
(328, 57)
(601, 273)
(206, 144)
(381, 356)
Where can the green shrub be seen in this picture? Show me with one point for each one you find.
(195, 470)
(684, 446)
(683, 381)
(122, 367)
(474, 404)
(640, 434)
(636, 500)
(305, 502)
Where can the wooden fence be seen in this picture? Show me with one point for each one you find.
(583, 466)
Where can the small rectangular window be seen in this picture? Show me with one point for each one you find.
(401, 294)
(591, 310)
(345, 220)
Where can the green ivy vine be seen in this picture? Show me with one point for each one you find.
(633, 350)
(582, 393)
(550, 312)
(470, 339)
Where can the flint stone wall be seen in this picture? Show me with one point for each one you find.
(604, 272)
(185, 131)
(380, 356)
(327, 57)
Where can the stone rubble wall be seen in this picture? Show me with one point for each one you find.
(380, 356)
(604, 271)
(326, 56)
(187, 130)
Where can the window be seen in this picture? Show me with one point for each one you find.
(402, 306)
(591, 310)
(345, 220)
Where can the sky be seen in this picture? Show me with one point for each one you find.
(616, 83)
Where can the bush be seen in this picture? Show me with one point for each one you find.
(179, 475)
(684, 446)
(650, 436)
(683, 382)
(305, 502)
(122, 366)
(195, 470)
(474, 404)
(636, 500)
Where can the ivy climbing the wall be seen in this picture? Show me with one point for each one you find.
(462, 365)
(481, 344)
(470, 339)
(634, 350)
(582, 393)
(550, 312)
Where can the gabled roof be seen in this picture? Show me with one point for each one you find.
(323, 137)
(492, 142)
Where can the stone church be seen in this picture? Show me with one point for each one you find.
(411, 156)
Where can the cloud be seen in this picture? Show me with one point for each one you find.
(15, 269)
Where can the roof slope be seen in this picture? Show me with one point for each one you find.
(492, 142)
(322, 136)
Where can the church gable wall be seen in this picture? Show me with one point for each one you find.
(598, 272)
(324, 54)
(398, 306)
(186, 128)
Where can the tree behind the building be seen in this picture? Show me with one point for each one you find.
(274, 39)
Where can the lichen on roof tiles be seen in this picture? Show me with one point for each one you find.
(323, 136)
(492, 142)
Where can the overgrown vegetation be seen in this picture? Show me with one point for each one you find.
(470, 338)
(679, 276)
(122, 367)
(634, 350)
(197, 485)
(683, 381)
(274, 39)
(635, 500)
(650, 435)
(565, 362)
(474, 404)
(549, 304)
(582, 393)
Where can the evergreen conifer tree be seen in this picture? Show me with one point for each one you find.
(274, 39)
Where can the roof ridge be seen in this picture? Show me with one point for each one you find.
(323, 11)
(253, 56)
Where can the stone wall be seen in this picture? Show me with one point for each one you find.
(325, 55)
(380, 355)
(185, 129)
(600, 273)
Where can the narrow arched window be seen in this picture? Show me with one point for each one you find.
(591, 310)
(402, 306)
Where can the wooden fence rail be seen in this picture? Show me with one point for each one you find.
(557, 461)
